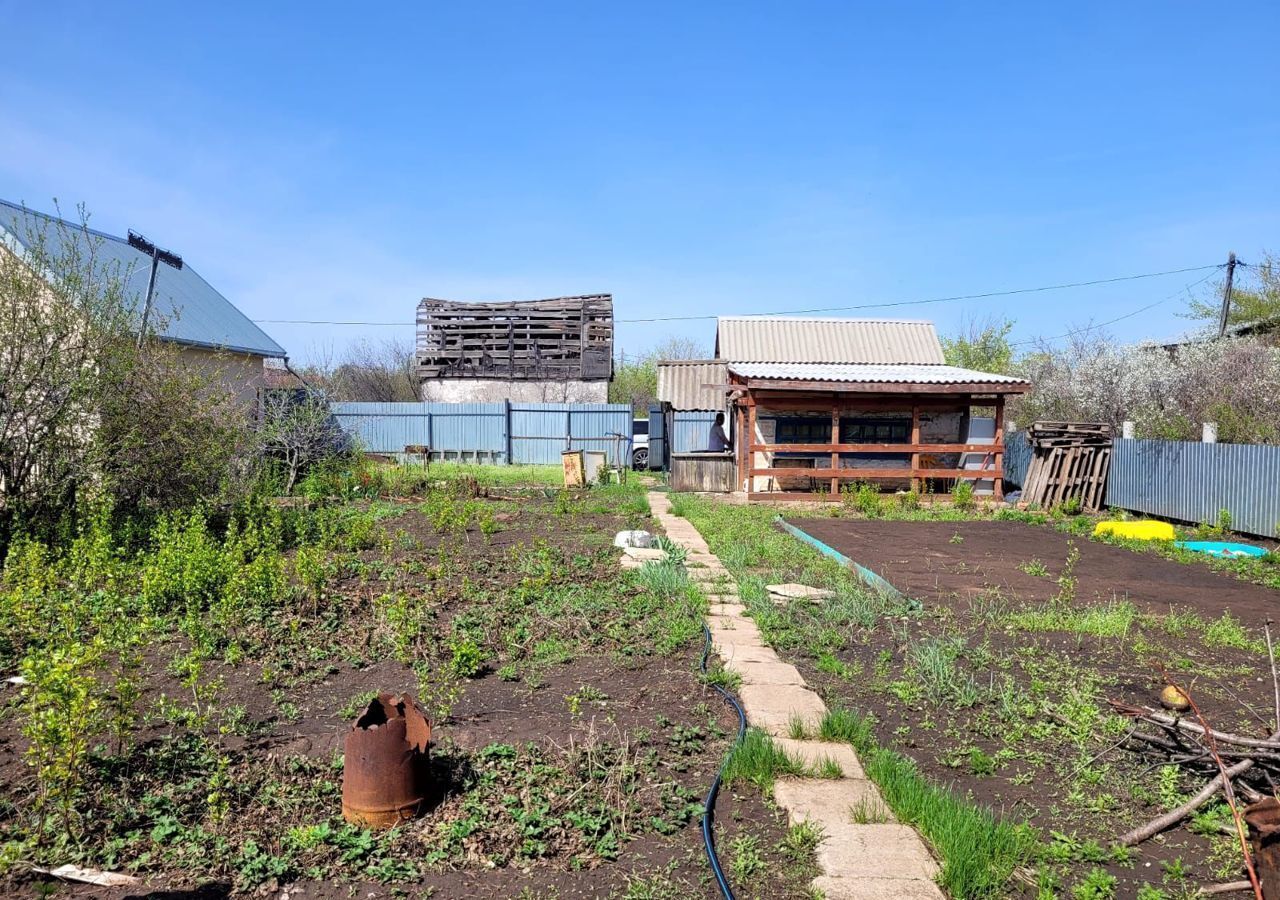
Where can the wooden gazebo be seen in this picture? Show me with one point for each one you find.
(867, 401)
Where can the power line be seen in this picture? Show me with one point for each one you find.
(884, 305)
(982, 296)
(1128, 315)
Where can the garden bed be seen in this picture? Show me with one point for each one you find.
(574, 741)
(955, 562)
(994, 671)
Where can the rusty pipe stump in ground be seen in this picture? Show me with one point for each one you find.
(1263, 819)
(384, 768)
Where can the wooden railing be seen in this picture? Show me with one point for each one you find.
(992, 467)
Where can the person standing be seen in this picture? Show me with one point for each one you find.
(717, 440)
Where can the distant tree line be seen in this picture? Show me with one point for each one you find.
(369, 372)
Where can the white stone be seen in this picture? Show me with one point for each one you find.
(633, 539)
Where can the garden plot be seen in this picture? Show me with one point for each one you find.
(986, 687)
(184, 716)
(955, 562)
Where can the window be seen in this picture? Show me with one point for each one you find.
(814, 430)
(875, 431)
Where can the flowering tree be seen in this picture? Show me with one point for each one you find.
(1167, 393)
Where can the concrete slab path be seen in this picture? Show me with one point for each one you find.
(864, 854)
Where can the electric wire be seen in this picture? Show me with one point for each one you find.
(1128, 315)
(882, 305)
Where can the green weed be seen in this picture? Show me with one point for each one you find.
(758, 760)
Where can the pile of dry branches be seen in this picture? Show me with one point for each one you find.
(1235, 766)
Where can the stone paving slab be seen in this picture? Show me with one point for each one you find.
(737, 624)
(726, 609)
(829, 800)
(737, 645)
(730, 652)
(757, 672)
(813, 753)
(875, 851)
(877, 888)
(772, 707)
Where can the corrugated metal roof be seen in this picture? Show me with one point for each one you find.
(786, 340)
(187, 308)
(680, 383)
(883, 374)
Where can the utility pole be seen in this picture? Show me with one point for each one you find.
(138, 242)
(1226, 294)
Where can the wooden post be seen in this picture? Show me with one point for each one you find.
(997, 484)
(751, 440)
(835, 439)
(915, 439)
(743, 443)
(1226, 293)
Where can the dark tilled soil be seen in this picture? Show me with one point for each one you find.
(926, 561)
(923, 560)
(645, 697)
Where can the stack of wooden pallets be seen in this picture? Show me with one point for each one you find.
(1069, 462)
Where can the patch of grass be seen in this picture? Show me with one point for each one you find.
(801, 842)
(868, 812)
(759, 761)
(979, 852)
(745, 859)
(843, 726)
(1227, 631)
(724, 678)
(1109, 620)
(829, 769)
(1035, 567)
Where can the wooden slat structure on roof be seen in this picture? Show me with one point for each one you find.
(560, 339)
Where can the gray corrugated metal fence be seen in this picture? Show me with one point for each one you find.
(1191, 482)
(488, 432)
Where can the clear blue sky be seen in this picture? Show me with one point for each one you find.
(326, 161)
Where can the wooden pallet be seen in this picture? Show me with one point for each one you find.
(1069, 461)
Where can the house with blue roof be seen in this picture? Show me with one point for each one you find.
(186, 310)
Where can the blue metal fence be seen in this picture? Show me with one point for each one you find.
(489, 432)
(690, 431)
(1191, 482)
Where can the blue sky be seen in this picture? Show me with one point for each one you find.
(691, 158)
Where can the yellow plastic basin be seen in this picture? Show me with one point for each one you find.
(1145, 530)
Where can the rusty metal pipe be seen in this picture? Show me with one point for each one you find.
(384, 768)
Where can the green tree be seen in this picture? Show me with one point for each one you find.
(983, 346)
(1255, 296)
(635, 379)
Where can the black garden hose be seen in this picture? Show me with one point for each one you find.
(709, 810)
